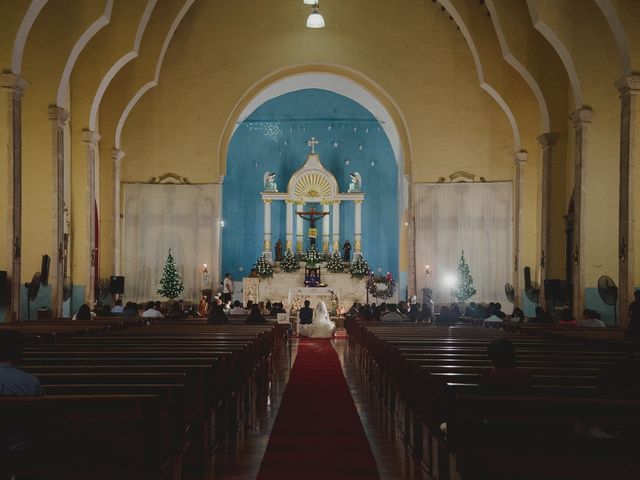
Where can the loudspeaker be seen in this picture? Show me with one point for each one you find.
(44, 270)
(116, 285)
(4, 294)
(555, 289)
(527, 276)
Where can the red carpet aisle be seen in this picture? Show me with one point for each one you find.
(317, 434)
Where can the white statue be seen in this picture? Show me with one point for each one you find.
(270, 182)
(356, 183)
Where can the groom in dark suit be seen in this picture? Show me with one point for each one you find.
(305, 314)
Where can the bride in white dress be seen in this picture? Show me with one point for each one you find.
(321, 326)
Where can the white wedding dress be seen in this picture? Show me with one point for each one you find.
(321, 326)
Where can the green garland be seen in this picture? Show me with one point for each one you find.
(359, 268)
(289, 262)
(264, 268)
(335, 264)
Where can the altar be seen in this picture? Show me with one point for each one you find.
(288, 289)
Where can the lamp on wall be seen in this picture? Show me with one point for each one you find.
(310, 2)
(315, 20)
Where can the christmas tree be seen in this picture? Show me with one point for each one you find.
(289, 262)
(170, 282)
(464, 288)
(335, 265)
(264, 267)
(359, 268)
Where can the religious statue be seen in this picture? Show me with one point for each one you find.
(270, 182)
(311, 217)
(356, 183)
(346, 249)
(279, 247)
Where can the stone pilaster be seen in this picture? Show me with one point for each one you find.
(629, 228)
(336, 226)
(12, 88)
(546, 141)
(357, 229)
(289, 226)
(266, 249)
(90, 252)
(581, 121)
(59, 117)
(117, 155)
(325, 228)
(299, 228)
(520, 160)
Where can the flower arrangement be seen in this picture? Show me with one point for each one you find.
(264, 267)
(312, 257)
(289, 262)
(335, 264)
(372, 286)
(359, 268)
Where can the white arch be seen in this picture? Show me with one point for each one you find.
(545, 123)
(149, 85)
(333, 83)
(23, 32)
(62, 97)
(121, 62)
(559, 47)
(618, 33)
(483, 84)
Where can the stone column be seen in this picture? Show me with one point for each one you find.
(289, 227)
(520, 160)
(91, 140)
(266, 249)
(581, 120)
(357, 231)
(629, 228)
(12, 88)
(546, 141)
(116, 155)
(58, 117)
(336, 226)
(325, 228)
(299, 229)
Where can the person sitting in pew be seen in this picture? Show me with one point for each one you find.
(566, 319)
(13, 381)
(591, 318)
(151, 311)
(84, 313)
(237, 309)
(541, 316)
(505, 377)
(444, 318)
(216, 315)
(118, 308)
(393, 315)
(130, 310)
(494, 320)
(517, 316)
(255, 317)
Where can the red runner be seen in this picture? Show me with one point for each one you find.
(317, 433)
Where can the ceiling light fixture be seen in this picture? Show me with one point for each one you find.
(315, 20)
(310, 2)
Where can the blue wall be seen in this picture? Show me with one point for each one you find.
(274, 138)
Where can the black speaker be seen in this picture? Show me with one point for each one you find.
(116, 285)
(555, 289)
(44, 270)
(527, 276)
(4, 294)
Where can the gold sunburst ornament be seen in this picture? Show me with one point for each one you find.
(313, 185)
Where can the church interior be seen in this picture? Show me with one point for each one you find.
(423, 136)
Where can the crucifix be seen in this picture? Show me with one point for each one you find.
(311, 217)
(312, 143)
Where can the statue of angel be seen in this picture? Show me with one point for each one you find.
(356, 183)
(270, 182)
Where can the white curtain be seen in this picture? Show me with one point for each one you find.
(474, 217)
(183, 218)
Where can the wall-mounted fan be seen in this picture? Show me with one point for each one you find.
(531, 288)
(33, 288)
(609, 294)
(510, 292)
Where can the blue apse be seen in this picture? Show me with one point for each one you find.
(274, 138)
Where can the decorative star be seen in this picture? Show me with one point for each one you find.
(355, 129)
(360, 147)
(347, 162)
(329, 127)
(366, 130)
(373, 163)
(335, 144)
